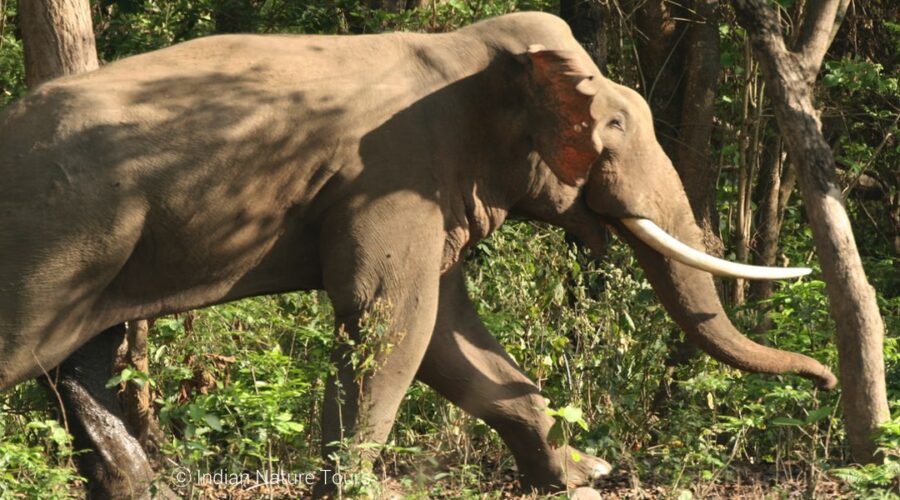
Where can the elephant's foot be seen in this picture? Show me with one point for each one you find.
(466, 365)
(563, 471)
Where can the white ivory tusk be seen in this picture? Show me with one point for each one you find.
(667, 245)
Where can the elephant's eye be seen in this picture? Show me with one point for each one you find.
(617, 124)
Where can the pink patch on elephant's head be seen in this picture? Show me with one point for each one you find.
(568, 85)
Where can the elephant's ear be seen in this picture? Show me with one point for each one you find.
(567, 86)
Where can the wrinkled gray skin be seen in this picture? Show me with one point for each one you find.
(234, 166)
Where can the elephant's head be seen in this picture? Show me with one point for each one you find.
(598, 137)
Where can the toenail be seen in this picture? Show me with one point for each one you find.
(601, 469)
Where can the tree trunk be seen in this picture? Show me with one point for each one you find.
(860, 330)
(692, 152)
(659, 38)
(678, 51)
(136, 398)
(753, 95)
(772, 192)
(586, 20)
(895, 217)
(233, 16)
(58, 38)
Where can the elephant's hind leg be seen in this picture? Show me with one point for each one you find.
(115, 465)
(465, 364)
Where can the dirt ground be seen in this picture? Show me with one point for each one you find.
(746, 483)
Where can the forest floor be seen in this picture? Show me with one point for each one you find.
(746, 483)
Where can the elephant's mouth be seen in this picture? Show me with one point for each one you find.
(669, 246)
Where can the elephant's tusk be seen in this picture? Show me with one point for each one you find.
(664, 243)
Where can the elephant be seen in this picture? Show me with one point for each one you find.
(366, 166)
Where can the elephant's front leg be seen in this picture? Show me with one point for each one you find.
(465, 364)
(381, 267)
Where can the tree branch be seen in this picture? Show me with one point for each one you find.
(817, 29)
(820, 23)
(761, 24)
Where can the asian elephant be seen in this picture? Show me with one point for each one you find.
(240, 165)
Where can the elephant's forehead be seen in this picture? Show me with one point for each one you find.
(608, 99)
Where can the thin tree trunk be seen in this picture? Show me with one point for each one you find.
(769, 215)
(136, 398)
(233, 16)
(693, 156)
(59, 39)
(660, 40)
(895, 217)
(678, 48)
(741, 235)
(586, 20)
(860, 330)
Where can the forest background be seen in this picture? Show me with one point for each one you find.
(237, 387)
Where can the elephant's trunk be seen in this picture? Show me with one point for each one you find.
(690, 298)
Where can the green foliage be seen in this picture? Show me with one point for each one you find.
(26, 466)
(371, 345)
(131, 27)
(561, 432)
(855, 75)
(130, 374)
(234, 382)
(127, 27)
(878, 480)
(12, 59)
(725, 414)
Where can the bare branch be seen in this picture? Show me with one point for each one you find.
(838, 19)
(821, 20)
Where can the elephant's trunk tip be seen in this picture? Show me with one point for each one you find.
(825, 380)
(809, 368)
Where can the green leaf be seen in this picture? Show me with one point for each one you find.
(784, 421)
(572, 414)
(817, 415)
(555, 435)
(576, 457)
(559, 294)
(213, 422)
(59, 436)
(293, 427)
(628, 321)
(831, 80)
(113, 382)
